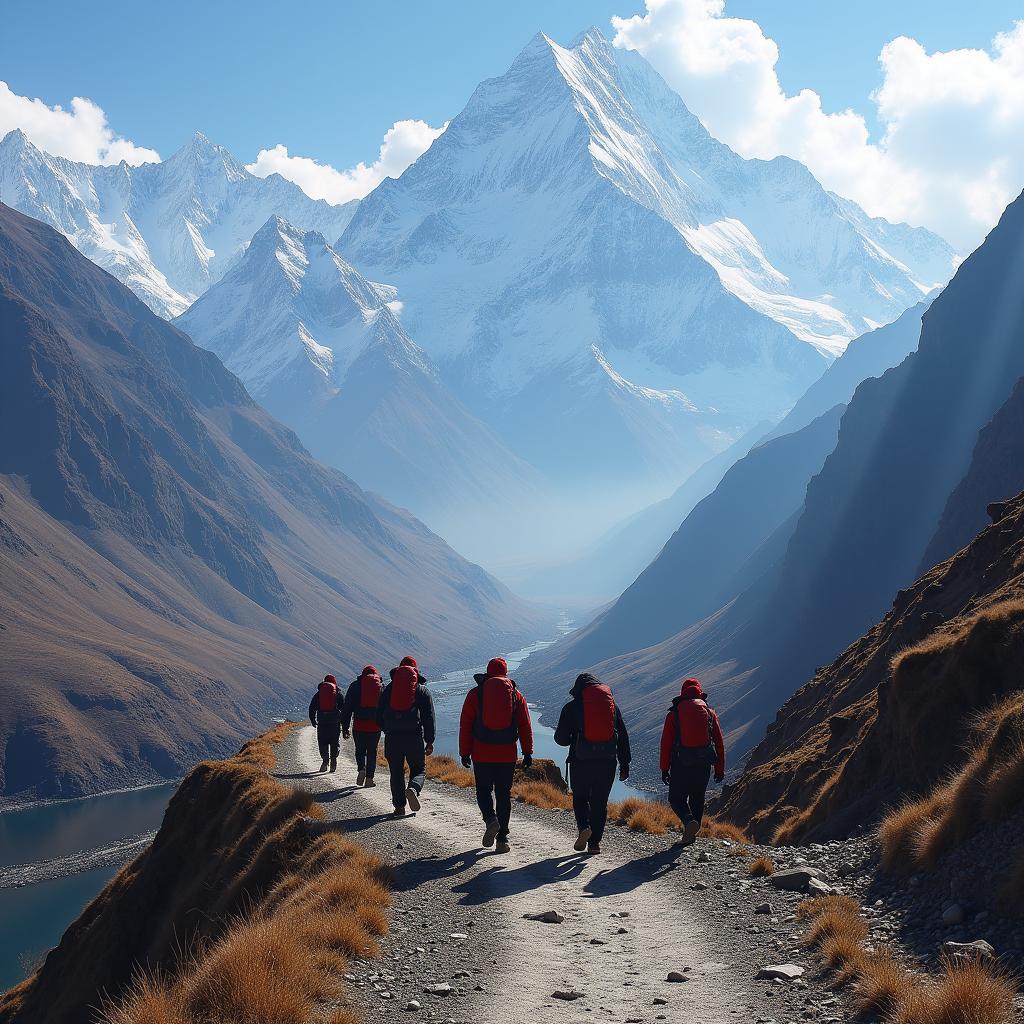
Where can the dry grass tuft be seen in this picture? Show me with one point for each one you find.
(313, 899)
(761, 867)
(883, 983)
(965, 993)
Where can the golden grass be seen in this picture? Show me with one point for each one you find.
(280, 957)
(761, 867)
(965, 992)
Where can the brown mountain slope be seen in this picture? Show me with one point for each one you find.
(892, 715)
(172, 561)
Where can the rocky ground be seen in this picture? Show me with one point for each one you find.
(461, 950)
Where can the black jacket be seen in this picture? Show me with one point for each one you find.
(352, 703)
(568, 721)
(424, 703)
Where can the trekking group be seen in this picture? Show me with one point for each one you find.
(495, 724)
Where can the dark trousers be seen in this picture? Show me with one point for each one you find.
(687, 787)
(399, 748)
(592, 783)
(327, 736)
(366, 751)
(494, 787)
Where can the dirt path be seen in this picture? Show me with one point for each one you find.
(633, 914)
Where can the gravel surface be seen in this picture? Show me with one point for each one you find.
(640, 911)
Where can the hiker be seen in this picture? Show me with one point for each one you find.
(406, 714)
(494, 719)
(691, 743)
(591, 726)
(325, 716)
(361, 700)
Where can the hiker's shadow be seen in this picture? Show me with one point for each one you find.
(418, 871)
(633, 874)
(496, 883)
(329, 797)
(343, 825)
(294, 775)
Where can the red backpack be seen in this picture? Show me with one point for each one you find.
(327, 696)
(694, 737)
(370, 687)
(496, 711)
(402, 712)
(596, 733)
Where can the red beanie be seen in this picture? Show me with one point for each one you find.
(497, 667)
(410, 661)
(369, 670)
(330, 679)
(691, 684)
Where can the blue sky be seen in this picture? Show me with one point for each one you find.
(934, 137)
(328, 78)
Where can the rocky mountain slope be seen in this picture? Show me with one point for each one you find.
(174, 562)
(627, 293)
(905, 443)
(322, 349)
(167, 230)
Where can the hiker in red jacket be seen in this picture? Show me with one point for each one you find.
(325, 716)
(691, 743)
(494, 719)
(591, 726)
(361, 700)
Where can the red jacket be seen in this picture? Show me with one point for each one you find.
(690, 690)
(494, 753)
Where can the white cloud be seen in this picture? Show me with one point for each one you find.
(951, 152)
(403, 143)
(81, 133)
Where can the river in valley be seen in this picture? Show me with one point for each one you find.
(51, 836)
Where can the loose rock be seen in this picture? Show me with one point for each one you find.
(546, 917)
(782, 972)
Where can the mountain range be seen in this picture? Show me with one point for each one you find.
(174, 566)
(581, 285)
(893, 494)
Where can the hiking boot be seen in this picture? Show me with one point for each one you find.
(398, 812)
(593, 848)
(493, 827)
(584, 838)
(690, 830)
(502, 846)
(370, 783)
(334, 764)
(323, 765)
(360, 777)
(413, 797)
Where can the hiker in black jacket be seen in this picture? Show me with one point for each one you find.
(406, 714)
(361, 701)
(325, 717)
(591, 726)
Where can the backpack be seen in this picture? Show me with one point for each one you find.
(597, 737)
(327, 697)
(369, 697)
(495, 711)
(402, 712)
(694, 742)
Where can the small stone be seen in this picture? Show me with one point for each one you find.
(621, 931)
(979, 949)
(598, 942)
(620, 913)
(458, 935)
(763, 908)
(676, 977)
(699, 886)
(660, 1001)
(795, 879)
(438, 990)
(547, 917)
(568, 995)
(413, 1005)
(953, 915)
(703, 857)
(780, 972)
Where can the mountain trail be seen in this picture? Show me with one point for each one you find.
(461, 949)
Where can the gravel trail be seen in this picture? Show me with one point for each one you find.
(635, 913)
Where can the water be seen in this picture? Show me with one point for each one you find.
(450, 691)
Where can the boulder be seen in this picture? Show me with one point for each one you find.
(979, 949)
(796, 879)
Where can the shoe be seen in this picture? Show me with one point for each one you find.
(581, 842)
(398, 812)
(413, 797)
(502, 846)
(690, 830)
(491, 831)
(360, 777)
(323, 766)
(593, 848)
(334, 764)
(370, 784)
